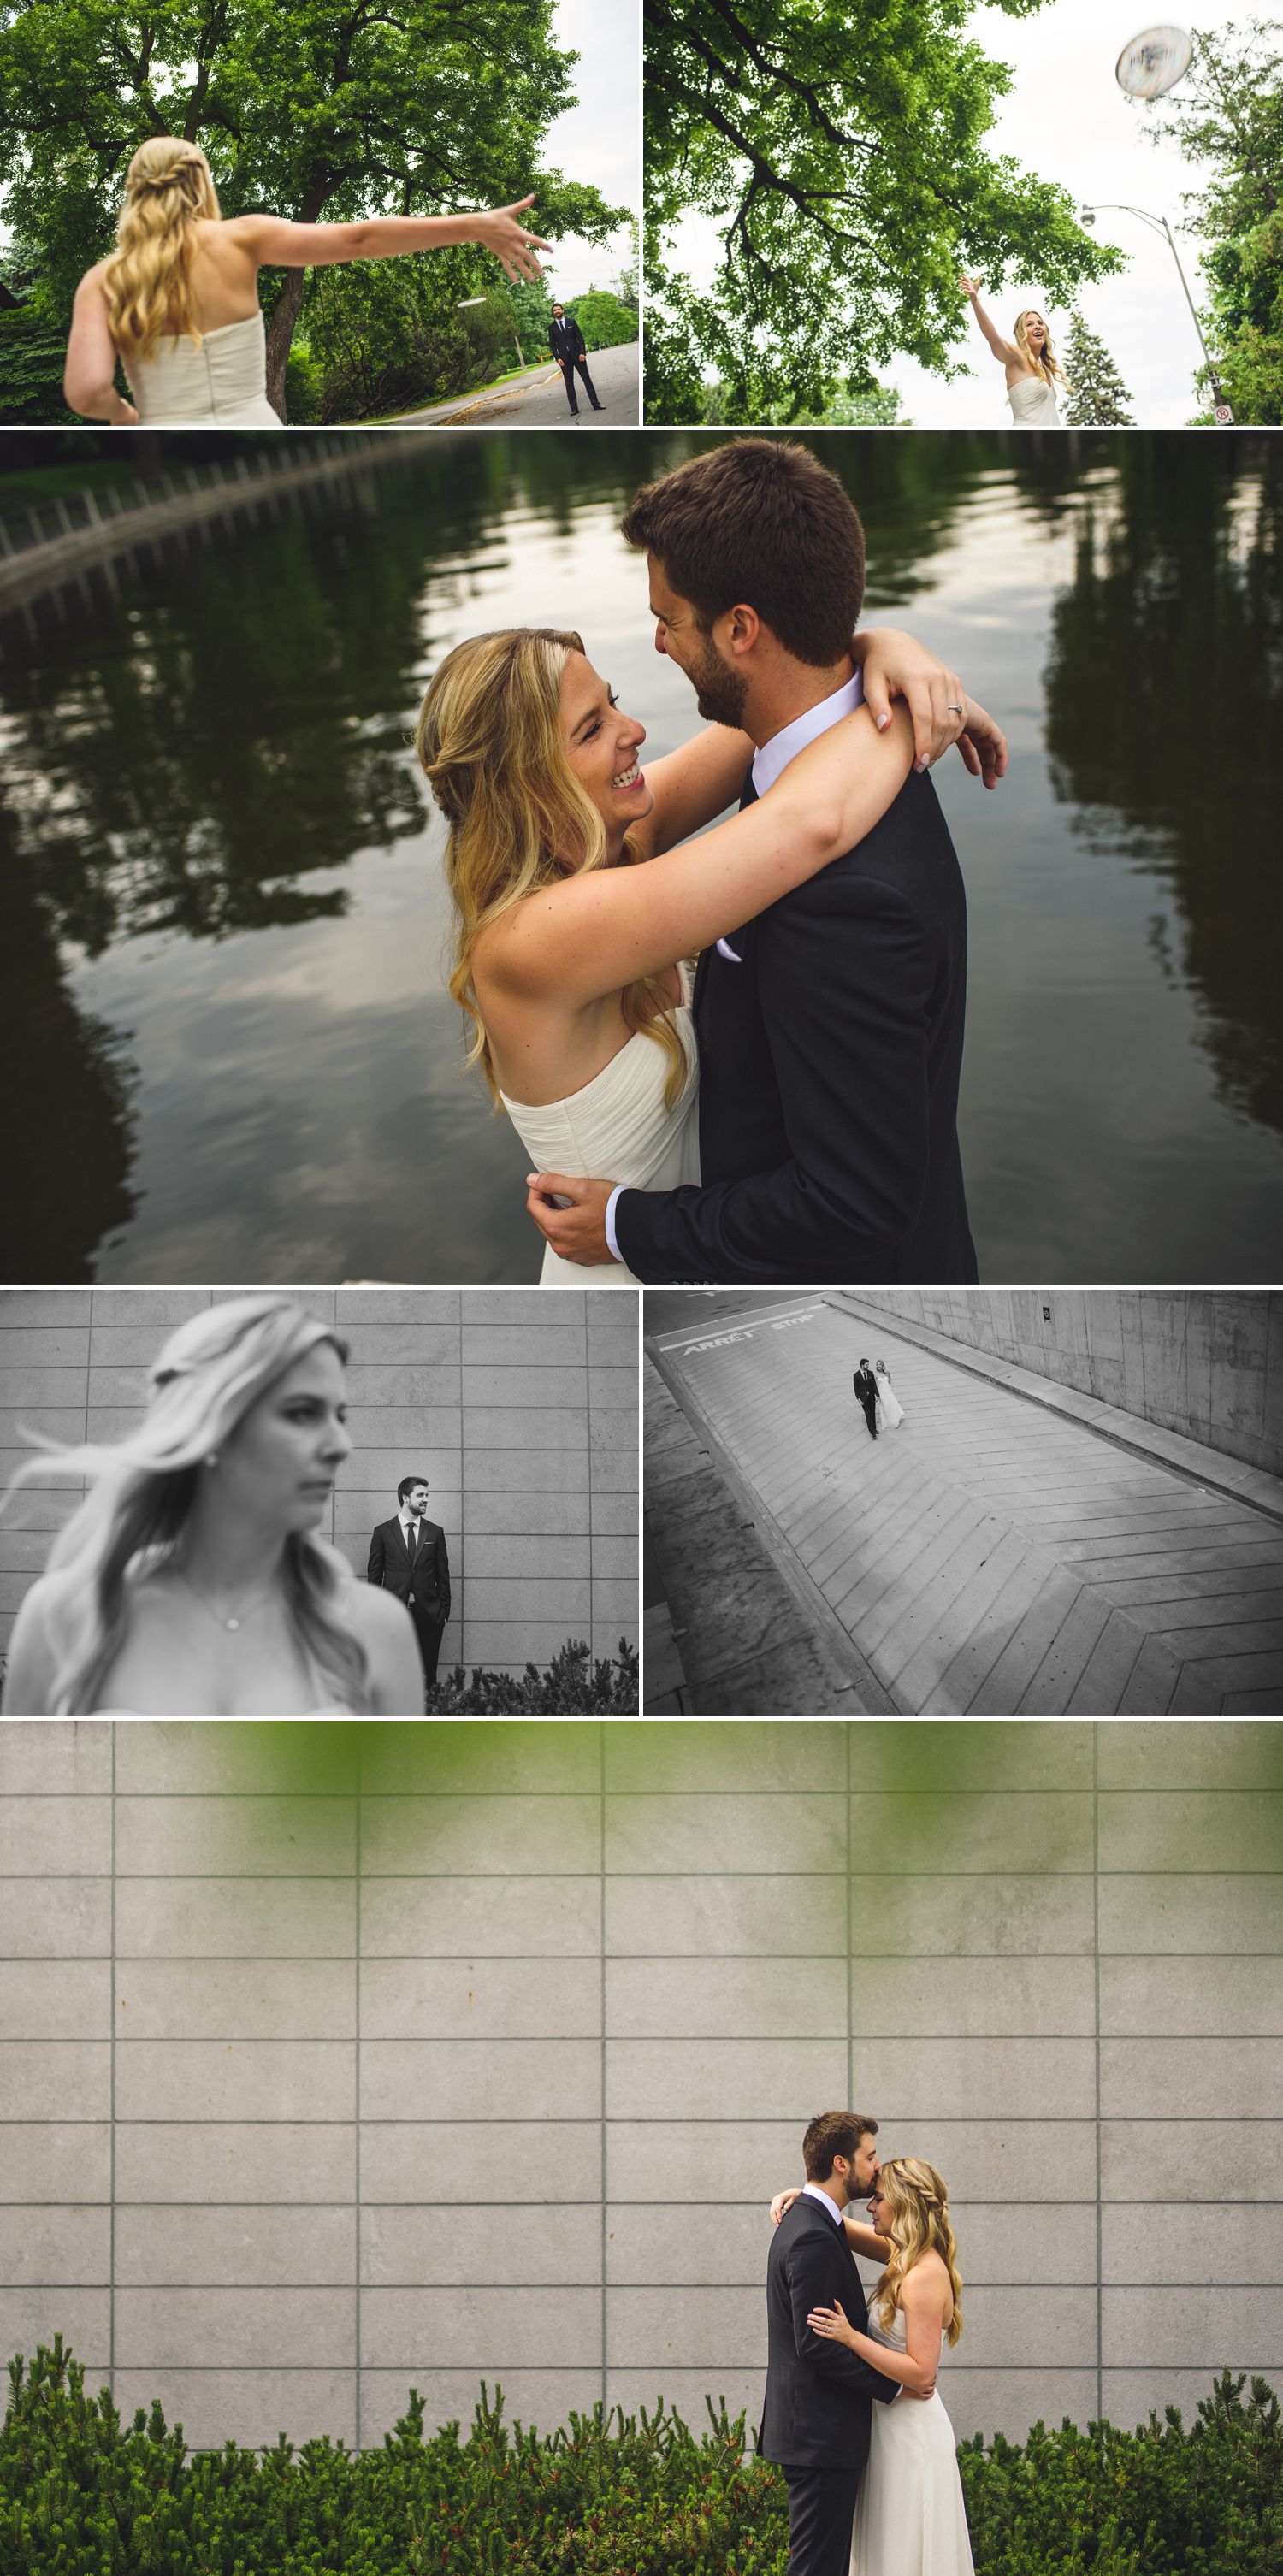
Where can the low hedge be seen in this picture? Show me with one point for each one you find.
(572, 1685)
(82, 2494)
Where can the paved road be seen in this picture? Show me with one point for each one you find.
(991, 1557)
(537, 400)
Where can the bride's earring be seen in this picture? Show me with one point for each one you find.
(212, 1458)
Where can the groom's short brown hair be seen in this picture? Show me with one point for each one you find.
(833, 2133)
(761, 521)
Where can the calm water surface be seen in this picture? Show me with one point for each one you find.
(224, 920)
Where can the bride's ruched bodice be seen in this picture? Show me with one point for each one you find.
(618, 1128)
(222, 383)
(1033, 404)
(910, 2519)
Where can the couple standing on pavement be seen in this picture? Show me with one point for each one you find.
(883, 1410)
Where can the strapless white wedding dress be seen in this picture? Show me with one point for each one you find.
(220, 385)
(910, 2519)
(890, 1409)
(618, 1129)
(1033, 404)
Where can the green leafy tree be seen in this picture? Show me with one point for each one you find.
(532, 305)
(321, 110)
(604, 321)
(840, 150)
(1097, 397)
(33, 343)
(1228, 114)
(841, 153)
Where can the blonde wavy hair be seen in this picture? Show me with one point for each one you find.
(489, 738)
(1048, 366)
(202, 1383)
(148, 278)
(920, 2225)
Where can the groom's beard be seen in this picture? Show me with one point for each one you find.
(720, 692)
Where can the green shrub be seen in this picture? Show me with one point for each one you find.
(84, 2494)
(570, 1686)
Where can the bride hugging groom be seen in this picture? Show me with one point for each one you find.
(733, 1057)
(851, 2414)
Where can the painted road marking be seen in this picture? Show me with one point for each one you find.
(688, 1346)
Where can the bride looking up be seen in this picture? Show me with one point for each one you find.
(177, 300)
(578, 915)
(1033, 368)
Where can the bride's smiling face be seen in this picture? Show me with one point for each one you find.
(602, 747)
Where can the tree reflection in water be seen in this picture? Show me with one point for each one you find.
(209, 752)
(1165, 720)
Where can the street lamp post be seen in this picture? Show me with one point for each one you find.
(1160, 224)
(484, 299)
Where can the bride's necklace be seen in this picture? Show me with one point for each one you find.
(220, 1617)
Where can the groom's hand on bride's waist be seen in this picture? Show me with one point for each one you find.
(571, 1216)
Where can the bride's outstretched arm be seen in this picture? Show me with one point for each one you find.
(1003, 349)
(275, 243)
(595, 932)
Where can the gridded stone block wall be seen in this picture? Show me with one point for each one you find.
(520, 1406)
(337, 2059)
(1208, 1366)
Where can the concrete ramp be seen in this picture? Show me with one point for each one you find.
(1011, 1549)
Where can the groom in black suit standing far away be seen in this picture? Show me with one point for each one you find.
(408, 1557)
(866, 1389)
(817, 2420)
(830, 1028)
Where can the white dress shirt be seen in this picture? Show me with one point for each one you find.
(816, 2191)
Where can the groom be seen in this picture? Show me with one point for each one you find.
(866, 1391)
(830, 1028)
(408, 1557)
(817, 2421)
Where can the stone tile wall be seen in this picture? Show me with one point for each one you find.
(339, 2059)
(1210, 1366)
(520, 1407)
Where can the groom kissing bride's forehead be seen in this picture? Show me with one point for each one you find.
(830, 1024)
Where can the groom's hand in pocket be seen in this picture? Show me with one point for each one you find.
(571, 1216)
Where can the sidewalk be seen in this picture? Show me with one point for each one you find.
(1013, 1548)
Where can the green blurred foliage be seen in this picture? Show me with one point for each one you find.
(605, 321)
(84, 2494)
(841, 151)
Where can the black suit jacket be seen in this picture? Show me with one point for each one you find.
(426, 1583)
(865, 1385)
(829, 1066)
(819, 2395)
(565, 339)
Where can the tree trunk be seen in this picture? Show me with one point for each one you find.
(281, 330)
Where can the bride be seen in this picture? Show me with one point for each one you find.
(890, 1409)
(573, 960)
(191, 1581)
(177, 300)
(1033, 368)
(910, 2519)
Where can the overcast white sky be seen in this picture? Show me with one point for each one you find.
(600, 139)
(1066, 119)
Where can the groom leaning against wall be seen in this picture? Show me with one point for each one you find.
(408, 1557)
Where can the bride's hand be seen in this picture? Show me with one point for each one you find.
(834, 2324)
(784, 2200)
(514, 246)
(895, 665)
(983, 744)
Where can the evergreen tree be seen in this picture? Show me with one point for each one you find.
(1097, 397)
